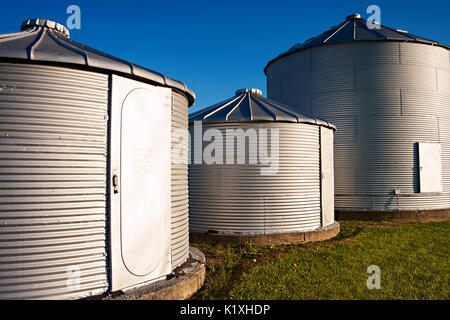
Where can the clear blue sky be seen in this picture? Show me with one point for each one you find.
(216, 47)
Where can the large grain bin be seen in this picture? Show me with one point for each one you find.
(388, 92)
(89, 200)
(241, 193)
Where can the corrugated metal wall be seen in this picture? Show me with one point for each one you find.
(180, 220)
(384, 97)
(236, 198)
(53, 125)
(53, 137)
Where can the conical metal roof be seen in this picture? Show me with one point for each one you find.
(47, 41)
(249, 105)
(354, 28)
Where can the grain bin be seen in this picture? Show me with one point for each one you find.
(259, 170)
(89, 200)
(388, 92)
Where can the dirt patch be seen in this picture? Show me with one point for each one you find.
(394, 216)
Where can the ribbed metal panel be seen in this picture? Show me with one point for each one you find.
(53, 124)
(233, 198)
(384, 98)
(180, 220)
(385, 52)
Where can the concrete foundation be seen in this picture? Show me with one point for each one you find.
(319, 234)
(394, 216)
(182, 284)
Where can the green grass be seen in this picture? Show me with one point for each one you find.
(413, 260)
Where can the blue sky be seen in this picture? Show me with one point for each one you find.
(216, 47)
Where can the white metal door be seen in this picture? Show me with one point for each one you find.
(327, 175)
(430, 167)
(140, 183)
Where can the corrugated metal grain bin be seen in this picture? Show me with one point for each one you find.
(388, 92)
(85, 141)
(279, 180)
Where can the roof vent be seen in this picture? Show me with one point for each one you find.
(249, 90)
(40, 23)
(353, 16)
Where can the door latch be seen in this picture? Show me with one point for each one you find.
(115, 182)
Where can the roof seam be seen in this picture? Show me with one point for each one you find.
(196, 113)
(339, 29)
(250, 107)
(69, 47)
(274, 115)
(210, 114)
(234, 108)
(17, 35)
(279, 107)
(30, 49)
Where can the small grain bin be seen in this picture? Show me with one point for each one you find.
(89, 202)
(388, 92)
(259, 170)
